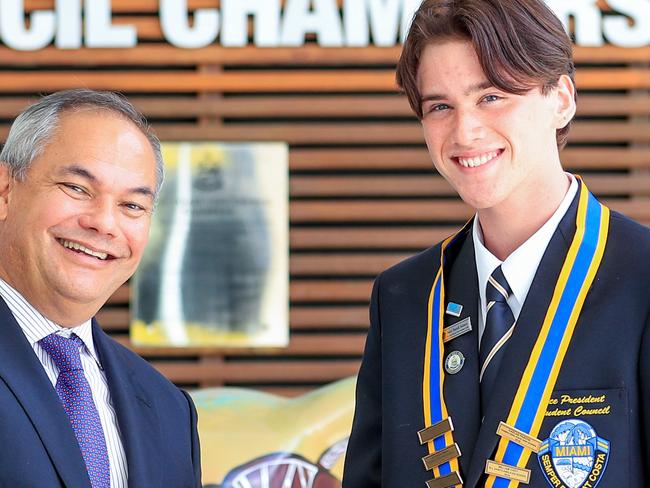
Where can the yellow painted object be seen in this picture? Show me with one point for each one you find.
(250, 438)
(154, 334)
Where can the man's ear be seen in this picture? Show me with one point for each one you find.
(6, 184)
(566, 101)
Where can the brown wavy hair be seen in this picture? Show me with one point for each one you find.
(521, 45)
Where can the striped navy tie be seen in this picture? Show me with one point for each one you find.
(499, 324)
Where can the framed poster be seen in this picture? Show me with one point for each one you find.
(216, 272)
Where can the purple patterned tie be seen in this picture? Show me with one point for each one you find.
(75, 394)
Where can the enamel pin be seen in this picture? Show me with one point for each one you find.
(454, 309)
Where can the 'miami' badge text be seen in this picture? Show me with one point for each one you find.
(574, 456)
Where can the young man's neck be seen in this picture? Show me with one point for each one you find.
(508, 226)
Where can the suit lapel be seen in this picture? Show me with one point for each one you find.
(461, 389)
(24, 375)
(521, 343)
(137, 419)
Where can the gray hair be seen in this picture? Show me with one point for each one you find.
(34, 127)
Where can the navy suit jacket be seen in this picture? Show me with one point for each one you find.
(606, 371)
(38, 448)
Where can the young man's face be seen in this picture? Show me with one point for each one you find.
(492, 146)
(74, 230)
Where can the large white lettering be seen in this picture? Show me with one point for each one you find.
(358, 23)
(323, 20)
(619, 31)
(176, 29)
(100, 32)
(384, 22)
(68, 24)
(388, 18)
(409, 8)
(586, 16)
(14, 32)
(266, 26)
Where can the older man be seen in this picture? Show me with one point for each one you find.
(79, 176)
(518, 350)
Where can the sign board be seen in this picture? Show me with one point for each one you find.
(76, 23)
(216, 269)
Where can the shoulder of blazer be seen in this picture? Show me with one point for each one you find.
(424, 264)
(623, 227)
(127, 360)
(629, 243)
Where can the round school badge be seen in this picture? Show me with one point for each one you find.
(454, 362)
(574, 455)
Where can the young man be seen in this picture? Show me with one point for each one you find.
(79, 175)
(518, 350)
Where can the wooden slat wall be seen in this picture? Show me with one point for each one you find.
(362, 188)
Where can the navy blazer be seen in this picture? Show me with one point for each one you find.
(38, 448)
(604, 380)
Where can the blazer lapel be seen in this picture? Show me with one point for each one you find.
(461, 389)
(24, 375)
(137, 419)
(521, 343)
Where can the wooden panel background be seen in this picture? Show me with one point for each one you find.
(363, 192)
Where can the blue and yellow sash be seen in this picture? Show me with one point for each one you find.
(435, 409)
(537, 383)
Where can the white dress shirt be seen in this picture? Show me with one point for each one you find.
(520, 267)
(35, 327)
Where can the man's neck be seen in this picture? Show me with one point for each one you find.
(58, 309)
(68, 316)
(507, 226)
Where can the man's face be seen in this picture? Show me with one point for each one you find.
(493, 147)
(74, 230)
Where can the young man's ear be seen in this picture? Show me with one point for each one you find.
(6, 184)
(566, 101)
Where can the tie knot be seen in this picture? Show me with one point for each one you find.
(64, 351)
(497, 289)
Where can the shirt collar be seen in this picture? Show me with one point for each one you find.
(36, 326)
(520, 267)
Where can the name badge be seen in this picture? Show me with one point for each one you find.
(456, 330)
(519, 437)
(436, 430)
(506, 471)
(441, 457)
(452, 479)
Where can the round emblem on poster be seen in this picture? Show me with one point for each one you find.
(454, 362)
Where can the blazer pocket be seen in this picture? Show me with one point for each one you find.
(585, 439)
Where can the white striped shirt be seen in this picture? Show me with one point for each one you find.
(35, 327)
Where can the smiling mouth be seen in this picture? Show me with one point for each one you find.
(75, 246)
(477, 161)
